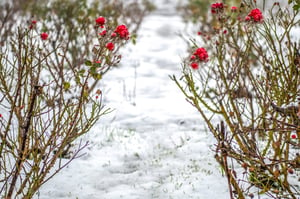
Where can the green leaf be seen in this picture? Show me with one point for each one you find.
(296, 7)
(133, 39)
(67, 85)
(85, 95)
(98, 76)
(93, 70)
(81, 72)
(98, 65)
(77, 80)
(88, 63)
(107, 60)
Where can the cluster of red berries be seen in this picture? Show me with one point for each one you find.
(33, 23)
(255, 15)
(43, 35)
(121, 31)
(200, 55)
(217, 8)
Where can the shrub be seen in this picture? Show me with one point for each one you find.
(50, 65)
(247, 94)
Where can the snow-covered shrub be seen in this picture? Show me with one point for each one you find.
(244, 81)
(52, 56)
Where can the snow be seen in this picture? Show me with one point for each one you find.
(154, 144)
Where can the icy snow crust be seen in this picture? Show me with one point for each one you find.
(154, 144)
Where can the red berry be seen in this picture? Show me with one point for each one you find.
(233, 8)
(110, 46)
(290, 170)
(113, 34)
(193, 57)
(100, 21)
(247, 18)
(194, 65)
(44, 36)
(103, 33)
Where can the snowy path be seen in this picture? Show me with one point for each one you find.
(153, 145)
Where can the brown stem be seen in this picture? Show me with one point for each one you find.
(22, 154)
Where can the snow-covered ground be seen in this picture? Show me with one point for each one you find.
(153, 145)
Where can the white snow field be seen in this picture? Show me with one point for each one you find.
(154, 144)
